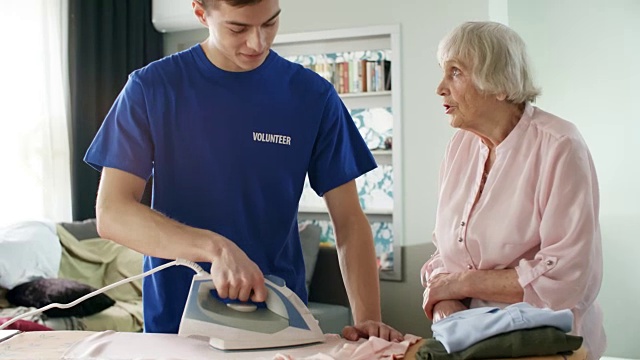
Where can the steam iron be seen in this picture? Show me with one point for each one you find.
(285, 321)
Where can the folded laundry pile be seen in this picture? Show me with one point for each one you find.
(517, 330)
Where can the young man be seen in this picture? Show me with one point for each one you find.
(229, 129)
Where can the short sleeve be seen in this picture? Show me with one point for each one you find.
(124, 140)
(340, 153)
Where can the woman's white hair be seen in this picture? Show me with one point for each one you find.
(497, 57)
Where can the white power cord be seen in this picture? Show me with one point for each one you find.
(195, 267)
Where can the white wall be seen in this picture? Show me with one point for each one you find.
(586, 54)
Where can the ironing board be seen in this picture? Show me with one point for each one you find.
(51, 345)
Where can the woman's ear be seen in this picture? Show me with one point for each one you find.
(501, 97)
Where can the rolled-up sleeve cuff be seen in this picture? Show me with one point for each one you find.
(529, 270)
(431, 268)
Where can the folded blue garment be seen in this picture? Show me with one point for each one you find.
(465, 328)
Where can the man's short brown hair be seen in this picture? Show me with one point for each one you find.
(235, 3)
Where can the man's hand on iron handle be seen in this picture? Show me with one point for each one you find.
(235, 276)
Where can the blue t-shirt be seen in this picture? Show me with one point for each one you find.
(228, 152)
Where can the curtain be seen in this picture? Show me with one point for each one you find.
(108, 39)
(34, 141)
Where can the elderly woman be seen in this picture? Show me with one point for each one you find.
(518, 205)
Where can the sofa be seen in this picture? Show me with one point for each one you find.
(87, 262)
(59, 263)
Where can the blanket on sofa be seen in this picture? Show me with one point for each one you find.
(99, 262)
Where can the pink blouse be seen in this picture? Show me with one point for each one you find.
(538, 214)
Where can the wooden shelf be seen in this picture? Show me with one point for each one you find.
(323, 209)
(332, 41)
(321, 213)
(383, 157)
(365, 94)
(367, 100)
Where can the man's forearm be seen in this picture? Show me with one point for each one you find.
(359, 270)
(151, 233)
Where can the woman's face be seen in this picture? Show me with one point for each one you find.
(467, 106)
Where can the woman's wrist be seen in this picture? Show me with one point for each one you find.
(465, 284)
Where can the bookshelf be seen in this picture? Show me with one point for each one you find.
(376, 110)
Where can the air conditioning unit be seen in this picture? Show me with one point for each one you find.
(173, 15)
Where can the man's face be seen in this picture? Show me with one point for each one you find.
(240, 37)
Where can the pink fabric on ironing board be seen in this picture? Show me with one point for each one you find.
(129, 346)
(373, 348)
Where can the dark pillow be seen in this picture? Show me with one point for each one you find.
(82, 230)
(24, 325)
(42, 292)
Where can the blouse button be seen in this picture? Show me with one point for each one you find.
(549, 262)
(462, 223)
(460, 240)
(469, 267)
